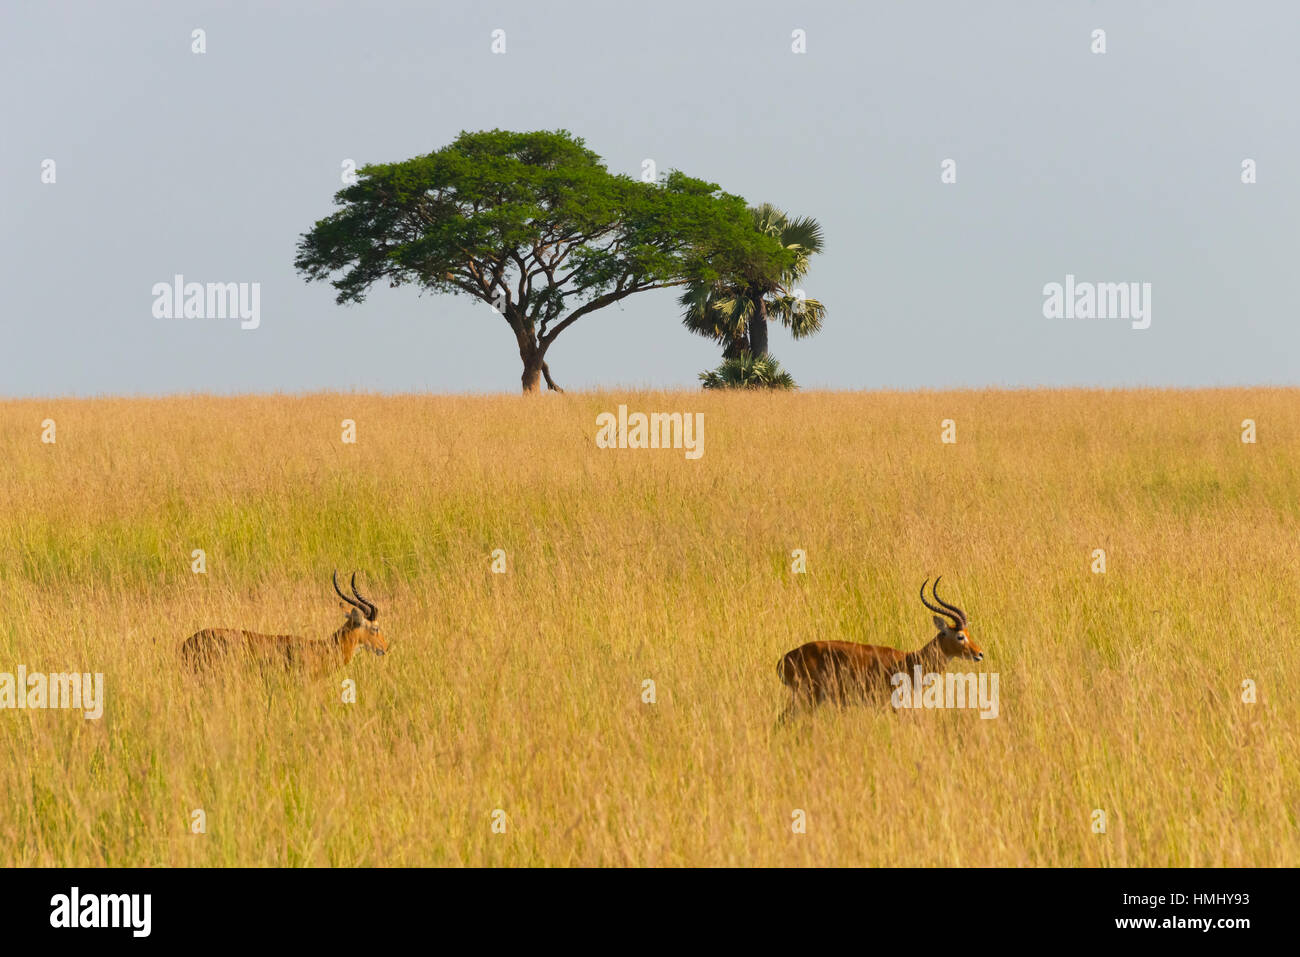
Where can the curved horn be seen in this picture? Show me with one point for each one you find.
(372, 611)
(360, 608)
(953, 608)
(956, 622)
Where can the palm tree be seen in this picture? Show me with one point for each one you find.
(735, 310)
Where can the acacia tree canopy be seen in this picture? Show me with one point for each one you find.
(534, 225)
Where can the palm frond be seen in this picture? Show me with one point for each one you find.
(801, 315)
(746, 372)
(805, 232)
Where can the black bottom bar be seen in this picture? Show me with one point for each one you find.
(912, 907)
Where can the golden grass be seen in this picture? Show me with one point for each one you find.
(522, 691)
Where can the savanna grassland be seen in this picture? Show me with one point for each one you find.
(522, 691)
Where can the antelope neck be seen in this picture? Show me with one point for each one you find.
(346, 640)
(930, 658)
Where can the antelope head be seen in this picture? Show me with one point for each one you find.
(952, 637)
(360, 624)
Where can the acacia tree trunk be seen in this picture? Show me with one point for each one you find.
(531, 357)
(532, 377)
(535, 367)
(546, 374)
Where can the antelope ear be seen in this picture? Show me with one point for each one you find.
(941, 624)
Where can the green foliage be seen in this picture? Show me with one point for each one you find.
(734, 308)
(536, 226)
(746, 372)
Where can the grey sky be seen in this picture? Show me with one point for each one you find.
(1122, 167)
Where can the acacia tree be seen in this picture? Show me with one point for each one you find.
(534, 225)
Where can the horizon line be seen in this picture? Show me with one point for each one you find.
(639, 390)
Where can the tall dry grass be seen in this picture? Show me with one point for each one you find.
(522, 691)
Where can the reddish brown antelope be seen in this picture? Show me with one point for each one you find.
(289, 652)
(843, 671)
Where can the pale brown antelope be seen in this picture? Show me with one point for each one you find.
(290, 652)
(843, 671)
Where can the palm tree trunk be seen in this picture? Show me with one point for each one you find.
(758, 331)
